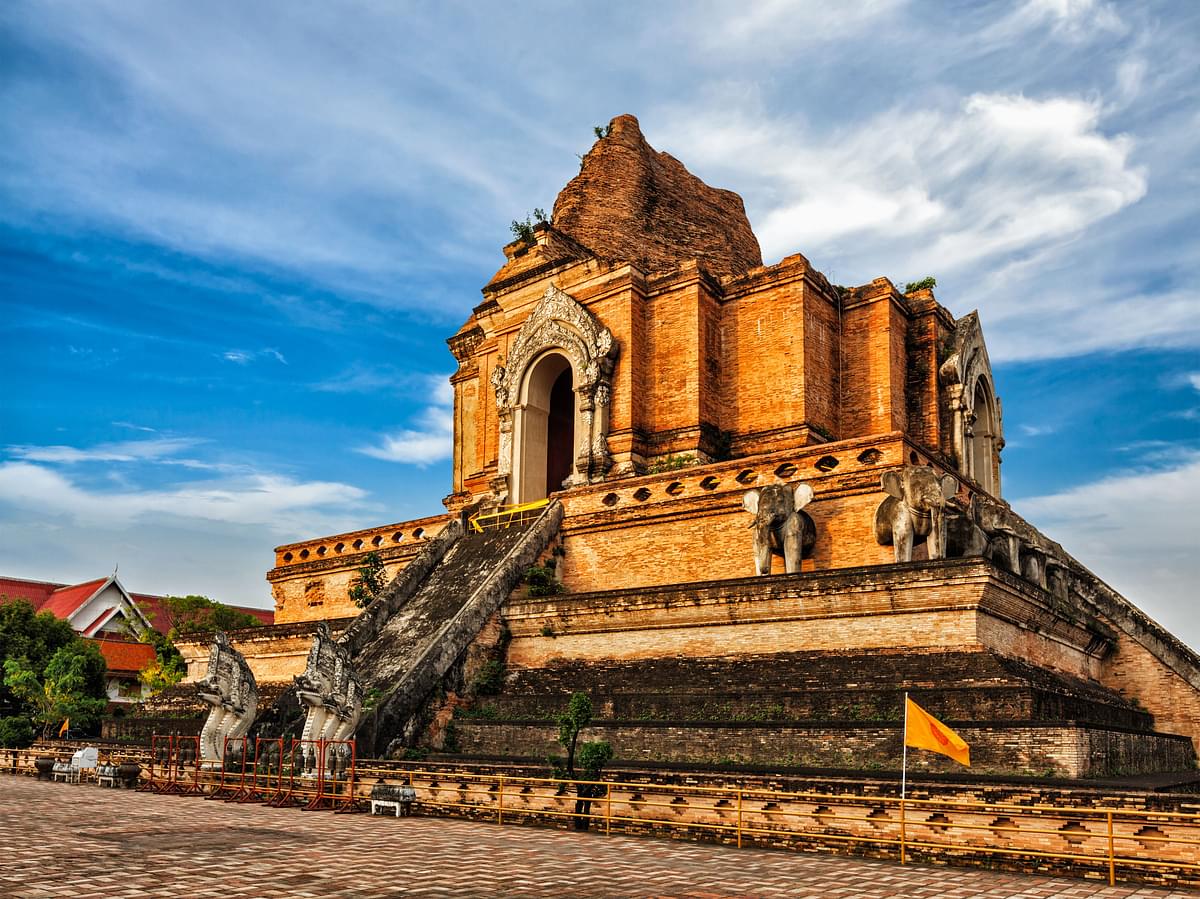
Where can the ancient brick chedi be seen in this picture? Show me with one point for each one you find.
(701, 420)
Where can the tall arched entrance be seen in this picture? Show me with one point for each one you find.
(552, 402)
(545, 428)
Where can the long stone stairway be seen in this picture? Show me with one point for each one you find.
(404, 644)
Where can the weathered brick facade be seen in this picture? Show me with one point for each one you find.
(694, 374)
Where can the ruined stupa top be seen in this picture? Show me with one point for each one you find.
(631, 203)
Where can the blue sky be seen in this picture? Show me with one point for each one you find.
(233, 238)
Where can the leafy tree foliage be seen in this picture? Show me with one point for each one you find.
(369, 582)
(64, 690)
(200, 615)
(16, 732)
(37, 636)
(593, 755)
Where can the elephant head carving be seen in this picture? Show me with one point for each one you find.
(914, 511)
(781, 527)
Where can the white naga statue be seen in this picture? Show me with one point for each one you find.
(229, 687)
(330, 689)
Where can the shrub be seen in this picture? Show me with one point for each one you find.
(926, 283)
(541, 581)
(16, 732)
(490, 678)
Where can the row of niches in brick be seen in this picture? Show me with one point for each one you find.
(359, 545)
(747, 477)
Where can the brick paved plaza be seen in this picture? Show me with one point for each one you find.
(59, 840)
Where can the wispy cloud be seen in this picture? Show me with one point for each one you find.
(1073, 20)
(272, 501)
(993, 175)
(245, 357)
(155, 450)
(431, 441)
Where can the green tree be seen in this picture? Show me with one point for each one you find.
(63, 691)
(25, 632)
(163, 672)
(593, 755)
(37, 636)
(369, 582)
(200, 615)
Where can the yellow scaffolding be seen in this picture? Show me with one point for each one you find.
(506, 516)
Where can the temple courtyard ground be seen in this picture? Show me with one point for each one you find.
(82, 841)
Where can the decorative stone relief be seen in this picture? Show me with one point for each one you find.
(229, 687)
(977, 431)
(560, 323)
(914, 511)
(781, 526)
(330, 690)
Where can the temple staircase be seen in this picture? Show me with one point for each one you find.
(408, 639)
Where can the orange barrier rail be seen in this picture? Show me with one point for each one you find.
(1101, 839)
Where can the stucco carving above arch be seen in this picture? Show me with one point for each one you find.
(966, 376)
(561, 323)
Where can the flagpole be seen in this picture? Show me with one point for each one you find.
(903, 777)
(904, 741)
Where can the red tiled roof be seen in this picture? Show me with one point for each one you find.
(37, 592)
(121, 656)
(66, 600)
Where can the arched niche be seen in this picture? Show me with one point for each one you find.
(559, 336)
(977, 434)
(544, 426)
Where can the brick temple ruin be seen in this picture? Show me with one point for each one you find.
(775, 505)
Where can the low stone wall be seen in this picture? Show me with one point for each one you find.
(1052, 749)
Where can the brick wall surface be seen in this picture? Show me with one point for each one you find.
(1053, 750)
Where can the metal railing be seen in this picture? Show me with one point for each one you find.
(1102, 840)
(506, 516)
(1097, 839)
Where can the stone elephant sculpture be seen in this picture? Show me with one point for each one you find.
(914, 511)
(781, 527)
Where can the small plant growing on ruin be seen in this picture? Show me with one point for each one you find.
(671, 462)
(541, 581)
(490, 678)
(369, 582)
(927, 283)
(602, 131)
(547, 630)
(523, 231)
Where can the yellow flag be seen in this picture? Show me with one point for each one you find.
(66, 725)
(923, 731)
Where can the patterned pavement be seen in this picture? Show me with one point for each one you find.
(81, 841)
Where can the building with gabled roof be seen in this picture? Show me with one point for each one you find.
(103, 611)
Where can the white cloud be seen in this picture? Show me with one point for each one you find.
(245, 357)
(758, 27)
(995, 175)
(1137, 531)
(432, 441)
(274, 502)
(1073, 20)
(154, 450)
